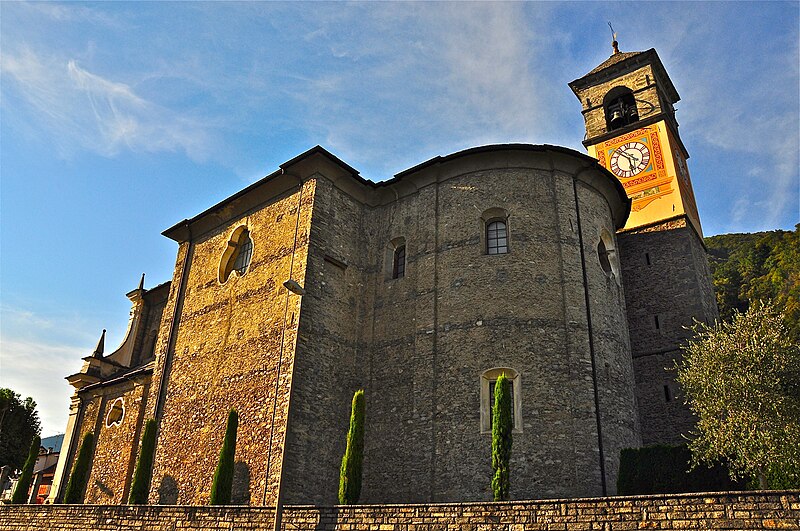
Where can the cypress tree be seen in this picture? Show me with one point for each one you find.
(350, 472)
(502, 425)
(76, 486)
(144, 466)
(24, 483)
(222, 486)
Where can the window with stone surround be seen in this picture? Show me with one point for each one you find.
(495, 231)
(116, 412)
(399, 262)
(237, 255)
(396, 256)
(607, 255)
(487, 382)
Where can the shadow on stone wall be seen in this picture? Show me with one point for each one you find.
(329, 519)
(102, 487)
(240, 492)
(168, 491)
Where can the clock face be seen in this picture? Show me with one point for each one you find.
(630, 159)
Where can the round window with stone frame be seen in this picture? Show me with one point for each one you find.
(116, 413)
(607, 256)
(237, 254)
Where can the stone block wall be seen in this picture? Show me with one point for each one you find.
(667, 284)
(233, 348)
(729, 511)
(641, 81)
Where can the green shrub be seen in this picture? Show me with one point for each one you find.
(144, 465)
(222, 486)
(666, 470)
(24, 483)
(502, 424)
(76, 487)
(350, 471)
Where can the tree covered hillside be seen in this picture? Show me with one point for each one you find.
(762, 265)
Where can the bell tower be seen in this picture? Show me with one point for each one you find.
(632, 131)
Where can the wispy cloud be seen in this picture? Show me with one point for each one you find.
(740, 98)
(36, 353)
(73, 12)
(440, 76)
(79, 109)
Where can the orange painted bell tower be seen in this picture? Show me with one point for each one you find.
(632, 131)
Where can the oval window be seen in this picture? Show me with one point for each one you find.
(237, 254)
(115, 413)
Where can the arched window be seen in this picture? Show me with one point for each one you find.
(607, 255)
(496, 237)
(487, 383)
(237, 254)
(620, 108)
(399, 262)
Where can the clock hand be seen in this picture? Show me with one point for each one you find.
(629, 157)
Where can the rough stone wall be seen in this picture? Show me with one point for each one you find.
(458, 312)
(116, 447)
(641, 81)
(330, 360)
(233, 348)
(88, 421)
(662, 298)
(730, 511)
(614, 370)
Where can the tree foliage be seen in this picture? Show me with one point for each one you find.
(140, 487)
(222, 487)
(24, 482)
(350, 471)
(76, 486)
(742, 380)
(502, 425)
(19, 424)
(760, 266)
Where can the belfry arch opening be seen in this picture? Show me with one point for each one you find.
(620, 108)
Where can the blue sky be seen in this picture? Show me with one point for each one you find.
(120, 119)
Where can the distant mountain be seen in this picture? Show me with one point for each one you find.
(761, 265)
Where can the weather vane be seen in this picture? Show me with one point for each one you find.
(614, 43)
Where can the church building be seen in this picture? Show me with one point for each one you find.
(574, 274)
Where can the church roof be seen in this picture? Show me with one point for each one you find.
(614, 59)
(349, 179)
(623, 60)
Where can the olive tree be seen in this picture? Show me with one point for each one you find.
(742, 380)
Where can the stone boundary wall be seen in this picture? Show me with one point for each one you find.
(731, 511)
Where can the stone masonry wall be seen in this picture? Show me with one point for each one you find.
(641, 81)
(728, 511)
(233, 348)
(458, 312)
(114, 447)
(667, 283)
(330, 361)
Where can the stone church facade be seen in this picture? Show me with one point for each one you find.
(314, 282)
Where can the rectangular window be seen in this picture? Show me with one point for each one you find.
(399, 265)
(496, 238)
(647, 258)
(658, 324)
(667, 394)
(491, 401)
